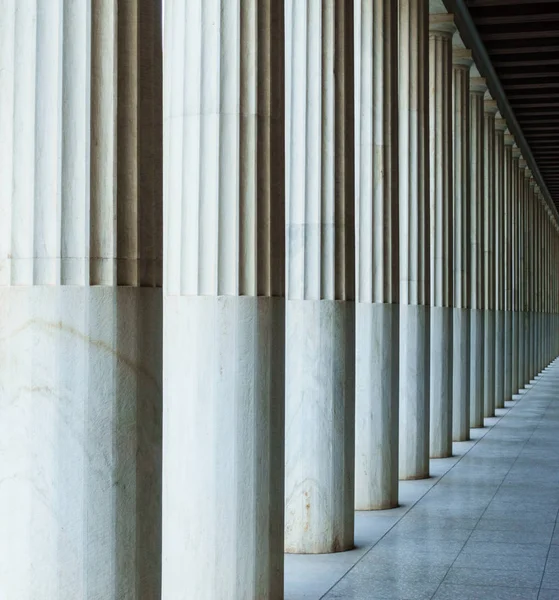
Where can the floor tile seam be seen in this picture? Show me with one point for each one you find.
(524, 396)
(414, 504)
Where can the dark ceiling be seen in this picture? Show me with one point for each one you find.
(522, 40)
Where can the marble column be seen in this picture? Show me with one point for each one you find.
(377, 308)
(489, 226)
(320, 312)
(527, 240)
(223, 458)
(413, 162)
(80, 290)
(441, 30)
(478, 88)
(521, 280)
(499, 263)
(507, 263)
(462, 159)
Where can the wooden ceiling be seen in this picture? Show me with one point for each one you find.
(522, 40)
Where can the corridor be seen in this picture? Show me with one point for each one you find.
(482, 528)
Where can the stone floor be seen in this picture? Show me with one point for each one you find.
(484, 526)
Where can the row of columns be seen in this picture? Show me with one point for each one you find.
(319, 335)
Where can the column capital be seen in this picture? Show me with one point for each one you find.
(509, 139)
(462, 57)
(478, 85)
(442, 25)
(522, 163)
(490, 107)
(516, 151)
(500, 124)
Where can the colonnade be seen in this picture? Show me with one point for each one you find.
(189, 387)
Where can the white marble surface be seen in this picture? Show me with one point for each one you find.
(461, 361)
(441, 386)
(499, 365)
(477, 372)
(223, 456)
(508, 351)
(320, 426)
(489, 362)
(376, 406)
(80, 442)
(414, 392)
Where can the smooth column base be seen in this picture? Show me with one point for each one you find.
(80, 424)
(376, 409)
(320, 426)
(414, 392)
(507, 359)
(489, 362)
(477, 373)
(223, 459)
(461, 367)
(515, 377)
(441, 382)
(499, 364)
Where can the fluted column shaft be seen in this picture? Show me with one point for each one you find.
(413, 161)
(377, 308)
(499, 259)
(441, 29)
(224, 301)
(489, 227)
(81, 319)
(518, 277)
(461, 131)
(508, 201)
(478, 88)
(531, 275)
(320, 317)
(526, 270)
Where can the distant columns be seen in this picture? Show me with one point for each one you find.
(320, 311)
(377, 308)
(413, 161)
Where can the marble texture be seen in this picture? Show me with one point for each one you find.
(376, 406)
(80, 424)
(477, 341)
(320, 426)
(489, 332)
(462, 359)
(414, 392)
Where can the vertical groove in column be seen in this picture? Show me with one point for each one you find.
(515, 271)
(320, 309)
(441, 29)
(224, 304)
(377, 310)
(104, 74)
(489, 227)
(414, 239)
(478, 87)
(461, 327)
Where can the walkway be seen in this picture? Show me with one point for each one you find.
(484, 528)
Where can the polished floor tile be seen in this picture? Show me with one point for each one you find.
(482, 527)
